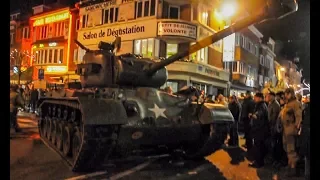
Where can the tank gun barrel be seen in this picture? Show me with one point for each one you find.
(82, 46)
(274, 9)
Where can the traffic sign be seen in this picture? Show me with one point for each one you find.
(41, 74)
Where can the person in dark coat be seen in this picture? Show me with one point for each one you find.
(259, 130)
(305, 138)
(273, 114)
(34, 95)
(235, 109)
(247, 107)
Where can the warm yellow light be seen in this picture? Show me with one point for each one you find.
(228, 9)
(282, 69)
(56, 69)
(51, 19)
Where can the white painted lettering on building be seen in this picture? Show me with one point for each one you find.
(127, 31)
(177, 29)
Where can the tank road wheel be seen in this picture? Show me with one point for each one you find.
(66, 140)
(213, 138)
(54, 132)
(59, 131)
(76, 143)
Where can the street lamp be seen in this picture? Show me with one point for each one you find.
(228, 9)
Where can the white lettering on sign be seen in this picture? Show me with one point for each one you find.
(56, 69)
(52, 44)
(99, 6)
(177, 29)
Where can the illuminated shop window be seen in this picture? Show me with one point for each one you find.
(193, 56)
(145, 8)
(174, 12)
(49, 55)
(144, 47)
(171, 49)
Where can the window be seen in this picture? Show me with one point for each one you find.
(235, 66)
(11, 38)
(257, 51)
(174, 12)
(242, 41)
(78, 24)
(25, 33)
(228, 65)
(203, 55)
(237, 39)
(262, 60)
(145, 8)
(85, 20)
(241, 67)
(110, 15)
(49, 55)
(144, 47)
(204, 18)
(247, 44)
(171, 49)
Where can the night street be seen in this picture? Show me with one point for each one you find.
(30, 159)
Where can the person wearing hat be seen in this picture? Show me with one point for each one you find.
(15, 101)
(247, 107)
(291, 117)
(259, 130)
(273, 113)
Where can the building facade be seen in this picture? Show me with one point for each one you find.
(266, 71)
(241, 58)
(292, 76)
(52, 42)
(159, 29)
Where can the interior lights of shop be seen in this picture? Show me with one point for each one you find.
(51, 19)
(53, 44)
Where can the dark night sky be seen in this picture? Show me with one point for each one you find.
(295, 28)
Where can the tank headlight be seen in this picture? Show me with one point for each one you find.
(120, 96)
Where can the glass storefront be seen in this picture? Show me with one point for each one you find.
(146, 47)
(176, 85)
(171, 49)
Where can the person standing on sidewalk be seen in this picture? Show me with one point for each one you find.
(15, 102)
(34, 96)
(259, 131)
(247, 107)
(291, 118)
(235, 109)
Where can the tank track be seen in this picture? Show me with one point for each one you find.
(83, 147)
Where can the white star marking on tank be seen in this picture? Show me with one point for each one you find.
(158, 111)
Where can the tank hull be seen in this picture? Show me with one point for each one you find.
(86, 127)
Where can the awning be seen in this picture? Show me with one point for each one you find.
(241, 87)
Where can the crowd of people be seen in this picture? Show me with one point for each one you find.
(276, 127)
(24, 98)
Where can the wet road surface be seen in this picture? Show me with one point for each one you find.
(30, 159)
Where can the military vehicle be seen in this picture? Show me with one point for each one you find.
(118, 106)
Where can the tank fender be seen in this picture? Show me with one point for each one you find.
(215, 114)
(102, 111)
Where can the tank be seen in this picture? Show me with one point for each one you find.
(117, 107)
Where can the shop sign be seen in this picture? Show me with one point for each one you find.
(51, 19)
(98, 6)
(177, 29)
(56, 69)
(127, 31)
(208, 71)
